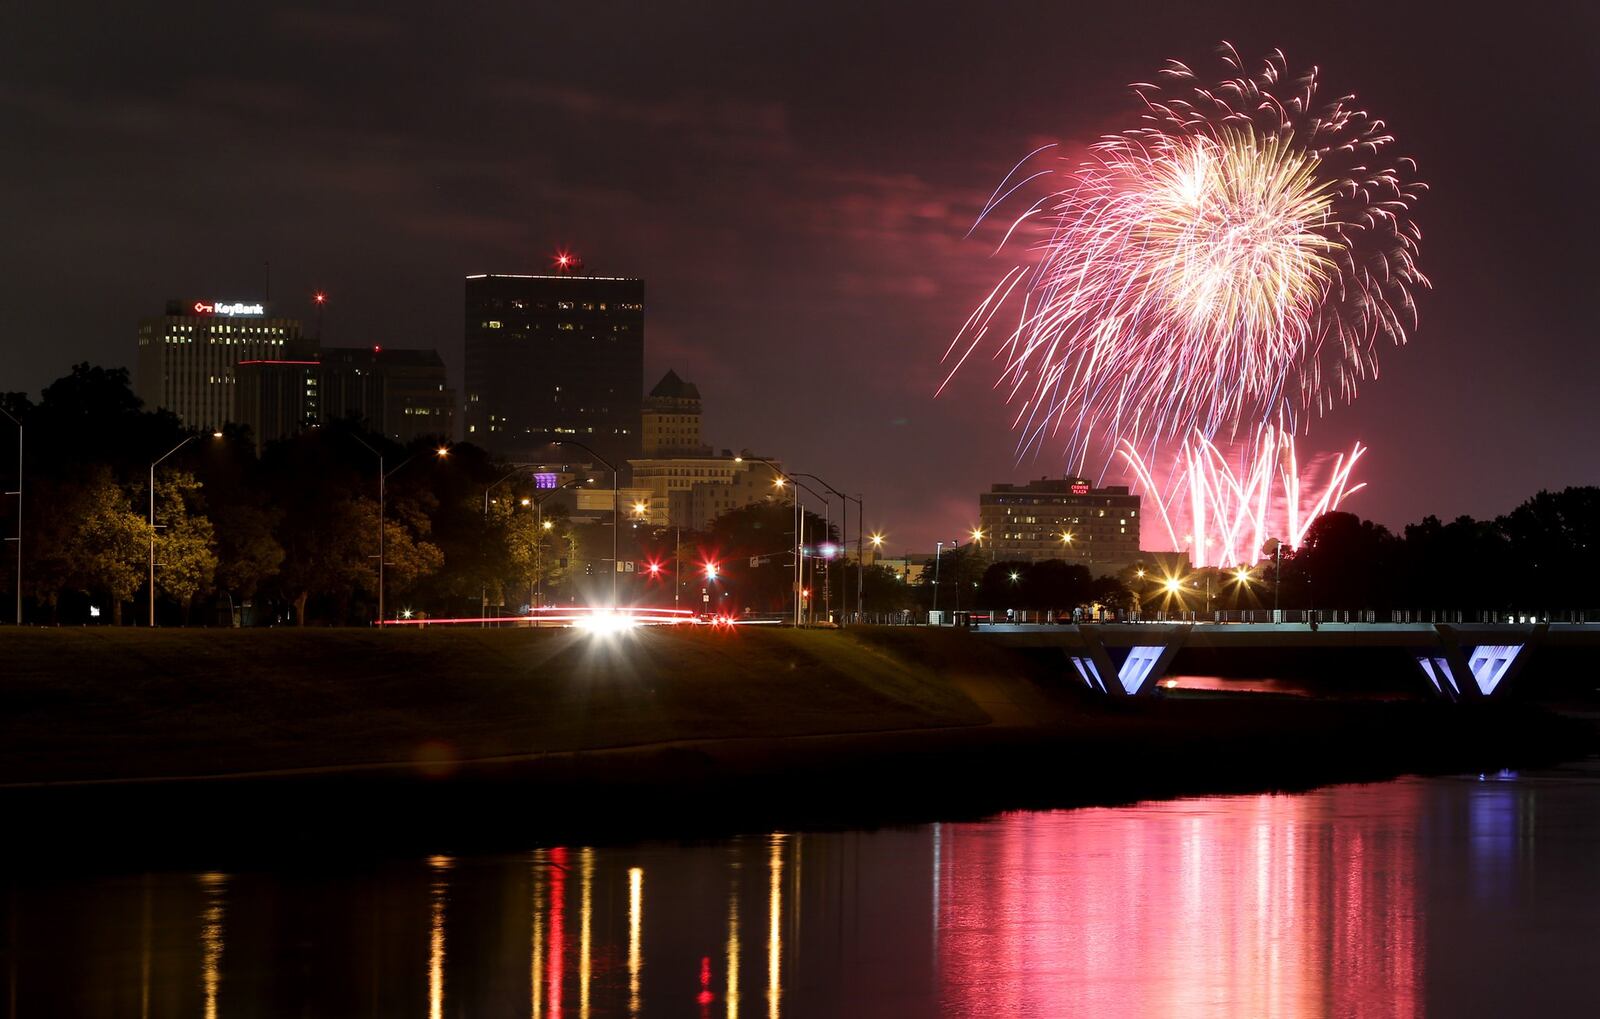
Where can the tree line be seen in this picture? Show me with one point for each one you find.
(292, 532)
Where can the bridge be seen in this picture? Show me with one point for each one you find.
(1459, 662)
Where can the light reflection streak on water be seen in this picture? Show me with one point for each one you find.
(586, 918)
(144, 953)
(635, 923)
(1270, 905)
(215, 887)
(556, 956)
(934, 924)
(774, 925)
(732, 993)
(438, 889)
(541, 863)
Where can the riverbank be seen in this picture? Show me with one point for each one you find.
(308, 740)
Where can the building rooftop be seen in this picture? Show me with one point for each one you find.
(1061, 486)
(547, 276)
(671, 387)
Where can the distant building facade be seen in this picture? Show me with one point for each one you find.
(1064, 518)
(554, 357)
(670, 423)
(399, 393)
(705, 501)
(402, 393)
(688, 484)
(187, 356)
(670, 482)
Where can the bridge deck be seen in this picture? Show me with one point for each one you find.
(1288, 635)
(1458, 660)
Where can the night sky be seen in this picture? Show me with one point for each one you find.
(794, 182)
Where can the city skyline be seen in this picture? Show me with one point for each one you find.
(803, 233)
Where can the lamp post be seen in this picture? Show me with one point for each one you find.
(18, 494)
(187, 439)
(1277, 576)
(780, 481)
(844, 537)
(877, 540)
(955, 551)
(938, 547)
(483, 590)
(616, 523)
(539, 528)
(383, 480)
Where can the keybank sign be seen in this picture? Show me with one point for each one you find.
(228, 309)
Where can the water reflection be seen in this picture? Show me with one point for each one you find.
(585, 929)
(1274, 905)
(731, 963)
(438, 889)
(635, 934)
(214, 887)
(1369, 900)
(774, 927)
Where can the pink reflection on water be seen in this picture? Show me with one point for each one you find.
(1266, 905)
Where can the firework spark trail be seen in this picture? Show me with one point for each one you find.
(1232, 513)
(1222, 269)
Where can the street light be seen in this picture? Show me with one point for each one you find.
(18, 494)
(483, 589)
(616, 514)
(545, 525)
(844, 536)
(383, 480)
(780, 481)
(187, 439)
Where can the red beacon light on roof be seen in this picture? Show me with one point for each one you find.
(566, 262)
(319, 297)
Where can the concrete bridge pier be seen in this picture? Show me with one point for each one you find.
(1462, 666)
(1127, 670)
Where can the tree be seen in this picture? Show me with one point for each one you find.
(1052, 585)
(884, 591)
(408, 555)
(326, 555)
(1554, 542)
(1343, 562)
(539, 552)
(109, 549)
(186, 560)
(248, 554)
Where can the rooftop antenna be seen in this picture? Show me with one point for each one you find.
(268, 295)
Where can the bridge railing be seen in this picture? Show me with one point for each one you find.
(1460, 617)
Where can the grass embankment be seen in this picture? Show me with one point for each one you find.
(453, 738)
(121, 704)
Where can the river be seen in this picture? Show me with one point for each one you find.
(1455, 896)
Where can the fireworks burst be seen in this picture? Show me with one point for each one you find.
(1220, 270)
(1231, 513)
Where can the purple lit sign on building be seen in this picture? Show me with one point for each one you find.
(546, 480)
